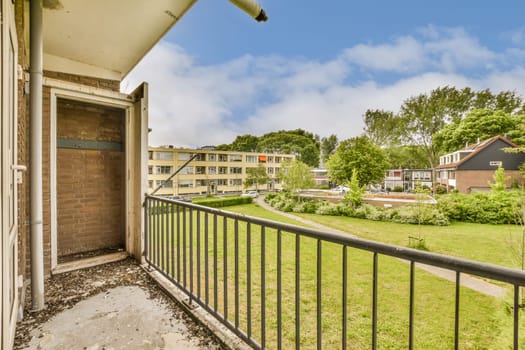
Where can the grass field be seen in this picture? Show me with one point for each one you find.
(485, 323)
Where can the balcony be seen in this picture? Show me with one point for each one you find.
(280, 286)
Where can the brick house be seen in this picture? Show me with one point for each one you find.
(472, 168)
(73, 151)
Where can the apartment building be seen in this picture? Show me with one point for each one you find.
(211, 171)
(408, 179)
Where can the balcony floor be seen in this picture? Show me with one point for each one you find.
(113, 306)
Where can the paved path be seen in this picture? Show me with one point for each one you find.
(467, 281)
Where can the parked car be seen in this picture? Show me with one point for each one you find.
(341, 189)
(252, 194)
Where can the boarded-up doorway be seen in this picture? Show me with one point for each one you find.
(90, 179)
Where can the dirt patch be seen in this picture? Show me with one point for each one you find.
(66, 290)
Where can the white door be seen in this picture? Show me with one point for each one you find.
(9, 167)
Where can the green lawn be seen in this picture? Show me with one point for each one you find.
(484, 321)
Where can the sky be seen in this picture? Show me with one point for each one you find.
(319, 65)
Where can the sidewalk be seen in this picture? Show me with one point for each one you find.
(467, 281)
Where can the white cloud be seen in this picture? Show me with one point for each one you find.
(405, 54)
(194, 105)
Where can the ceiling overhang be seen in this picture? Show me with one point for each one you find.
(102, 38)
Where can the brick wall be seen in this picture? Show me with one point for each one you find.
(90, 188)
(466, 179)
(107, 84)
(23, 148)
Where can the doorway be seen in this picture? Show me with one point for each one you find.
(90, 182)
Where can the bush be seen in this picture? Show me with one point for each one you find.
(397, 189)
(219, 202)
(495, 207)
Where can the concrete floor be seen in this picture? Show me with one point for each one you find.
(121, 318)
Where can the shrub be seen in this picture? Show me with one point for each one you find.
(397, 189)
(218, 202)
(440, 189)
(497, 207)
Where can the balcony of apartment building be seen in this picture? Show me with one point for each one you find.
(245, 281)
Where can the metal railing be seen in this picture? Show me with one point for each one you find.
(278, 285)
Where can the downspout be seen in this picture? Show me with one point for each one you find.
(35, 115)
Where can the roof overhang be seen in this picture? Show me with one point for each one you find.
(102, 38)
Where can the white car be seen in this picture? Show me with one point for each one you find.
(252, 194)
(341, 189)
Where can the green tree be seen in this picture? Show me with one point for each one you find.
(406, 157)
(479, 124)
(296, 175)
(328, 146)
(382, 127)
(244, 143)
(359, 154)
(354, 196)
(500, 180)
(299, 142)
(423, 116)
(256, 176)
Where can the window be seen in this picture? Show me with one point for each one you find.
(212, 157)
(150, 155)
(186, 170)
(150, 170)
(222, 182)
(185, 183)
(200, 170)
(277, 170)
(201, 157)
(270, 159)
(150, 183)
(163, 169)
(277, 159)
(235, 182)
(164, 155)
(212, 170)
(201, 182)
(184, 156)
(235, 158)
(223, 157)
(269, 170)
(235, 170)
(251, 159)
(223, 170)
(262, 159)
(165, 184)
(495, 163)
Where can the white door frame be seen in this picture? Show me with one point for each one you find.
(8, 179)
(76, 92)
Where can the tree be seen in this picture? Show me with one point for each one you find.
(244, 143)
(406, 157)
(423, 116)
(302, 143)
(500, 180)
(256, 176)
(361, 155)
(296, 175)
(382, 127)
(328, 146)
(354, 196)
(480, 124)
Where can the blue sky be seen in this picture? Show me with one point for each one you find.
(218, 73)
